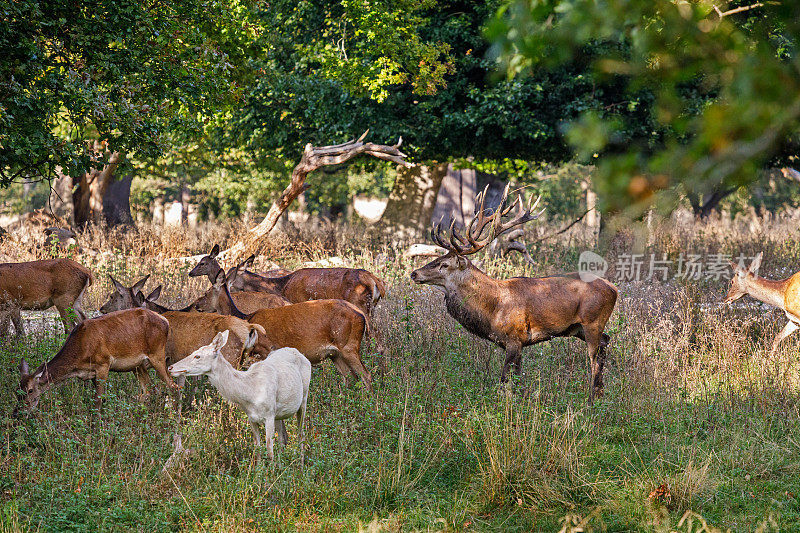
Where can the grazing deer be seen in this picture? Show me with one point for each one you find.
(39, 285)
(271, 390)
(124, 341)
(518, 312)
(355, 285)
(320, 329)
(783, 294)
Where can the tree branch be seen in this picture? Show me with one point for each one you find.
(791, 173)
(313, 158)
(723, 14)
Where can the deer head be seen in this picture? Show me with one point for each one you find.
(481, 230)
(742, 279)
(234, 278)
(123, 297)
(208, 265)
(209, 302)
(29, 388)
(201, 360)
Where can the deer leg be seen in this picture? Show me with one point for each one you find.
(357, 367)
(269, 432)
(256, 433)
(144, 381)
(513, 353)
(160, 366)
(790, 328)
(5, 323)
(301, 434)
(16, 319)
(341, 366)
(596, 360)
(280, 427)
(68, 315)
(101, 375)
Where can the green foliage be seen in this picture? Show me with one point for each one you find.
(297, 100)
(367, 47)
(135, 74)
(725, 90)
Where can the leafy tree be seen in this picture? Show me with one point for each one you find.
(136, 76)
(304, 94)
(723, 79)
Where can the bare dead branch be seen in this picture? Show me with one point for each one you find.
(723, 14)
(791, 173)
(315, 157)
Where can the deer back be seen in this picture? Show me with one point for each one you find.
(355, 285)
(191, 330)
(314, 327)
(37, 284)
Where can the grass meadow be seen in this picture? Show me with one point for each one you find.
(699, 427)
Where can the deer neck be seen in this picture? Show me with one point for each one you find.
(768, 291)
(257, 282)
(60, 367)
(230, 383)
(227, 306)
(470, 298)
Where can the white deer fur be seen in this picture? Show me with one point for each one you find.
(270, 390)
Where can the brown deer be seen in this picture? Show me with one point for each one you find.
(518, 312)
(247, 301)
(355, 285)
(39, 285)
(320, 329)
(783, 294)
(188, 330)
(124, 341)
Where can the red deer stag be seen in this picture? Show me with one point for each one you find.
(123, 341)
(518, 312)
(319, 329)
(783, 294)
(39, 285)
(355, 285)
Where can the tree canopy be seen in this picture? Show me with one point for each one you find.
(723, 78)
(134, 74)
(311, 91)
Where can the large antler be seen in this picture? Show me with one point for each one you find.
(473, 239)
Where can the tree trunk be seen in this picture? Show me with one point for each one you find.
(412, 200)
(592, 219)
(117, 203)
(61, 198)
(88, 196)
(702, 206)
(313, 158)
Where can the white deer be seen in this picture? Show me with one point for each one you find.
(270, 390)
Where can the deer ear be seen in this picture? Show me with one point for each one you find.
(139, 285)
(155, 295)
(220, 279)
(220, 340)
(249, 261)
(24, 370)
(214, 251)
(756, 264)
(462, 261)
(139, 299)
(119, 286)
